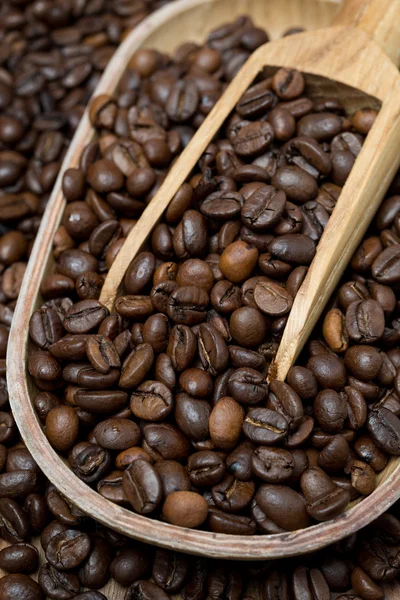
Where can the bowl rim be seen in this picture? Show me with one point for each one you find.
(145, 529)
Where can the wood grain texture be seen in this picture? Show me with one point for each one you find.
(178, 22)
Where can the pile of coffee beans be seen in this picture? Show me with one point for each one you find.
(79, 556)
(163, 407)
(88, 556)
(52, 54)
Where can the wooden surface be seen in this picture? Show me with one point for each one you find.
(192, 19)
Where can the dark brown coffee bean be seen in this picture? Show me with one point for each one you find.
(143, 486)
(248, 326)
(247, 386)
(136, 366)
(206, 468)
(273, 465)
(272, 299)
(117, 434)
(62, 426)
(328, 370)
(225, 423)
(84, 316)
(272, 499)
(297, 184)
(131, 564)
(364, 362)
(309, 582)
(181, 347)
(264, 426)
(170, 570)
(152, 401)
(20, 586)
(384, 428)
(192, 416)
(68, 549)
(232, 495)
(283, 399)
(101, 353)
(147, 590)
(58, 584)
(330, 410)
(220, 522)
(166, 441)
(187, 305)
(19, 558)
(324, 499)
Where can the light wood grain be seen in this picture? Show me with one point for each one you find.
(178, 22)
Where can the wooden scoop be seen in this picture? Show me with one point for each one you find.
(346, 55)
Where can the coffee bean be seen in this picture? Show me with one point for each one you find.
(143, 486)
(19, 558)
(264, 426)
(324, 499)
(384, 428)
(68, 549)
(272, 299)
(186, 509)
(62, 426)
(146, 590)
(20, 586)
(152, 401)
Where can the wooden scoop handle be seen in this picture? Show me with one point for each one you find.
(378, 18)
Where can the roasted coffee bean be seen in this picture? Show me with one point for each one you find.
(309, 582)
(285, 507)
(185, 508)
(19, 558)
(20, 586)
(273, 465)
(92, 463)
(187, 305)
(173, 476)
(225, 423)
(221, 522)
(136, 366)
(117, 434)
(272, 299)
(324, 499)
(95, 571)
(192, 416)
(143, 486)
(264, 426)
(165, 441)
(384, 428)
(84, 316)
(131, 564)
(152, 401)
(283, 399)
(206, 468)
(58, 584)
(101, 353)
(146, 590)
(62, 426)
(247, 386)
(330, 410)
(232, 495)
(68, 549)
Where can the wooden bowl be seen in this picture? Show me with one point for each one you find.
(180, 21)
